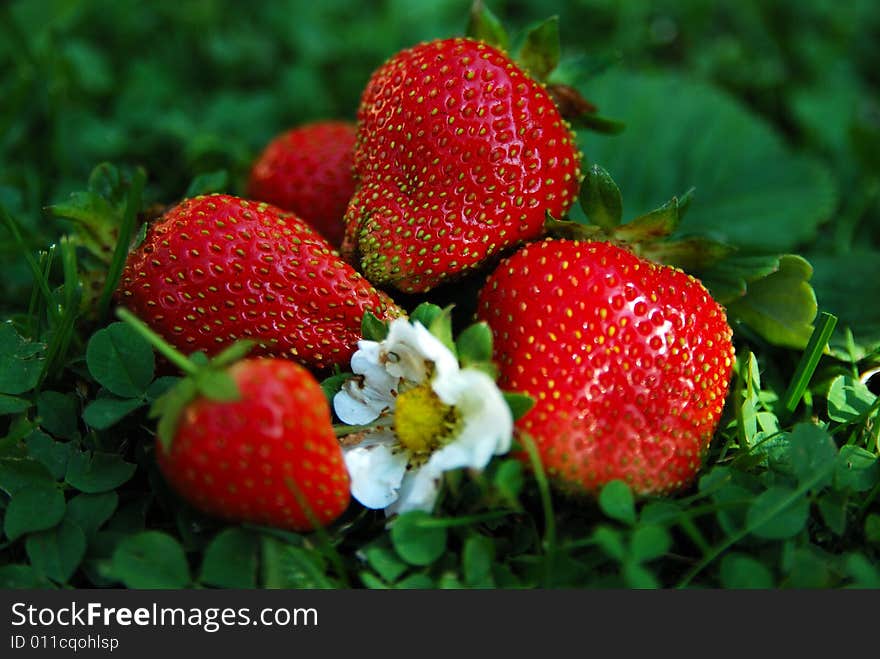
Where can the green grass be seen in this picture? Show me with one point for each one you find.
(113, 109)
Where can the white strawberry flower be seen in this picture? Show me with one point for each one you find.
(426, 414)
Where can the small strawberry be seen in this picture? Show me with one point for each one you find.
(460, 154)
(629, 362)
(217, 268)
(251, 442)
(308, 171)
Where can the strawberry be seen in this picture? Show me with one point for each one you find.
(270, 457)
(217, 268)
(459, 155)
(308, 171)
(628, 360)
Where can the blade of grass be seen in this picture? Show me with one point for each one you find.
(809, 360)
(63, 330)
(546, 504)
(126, 230)
(40, 279)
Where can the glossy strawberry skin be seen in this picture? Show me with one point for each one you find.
(629, 362)
(217, 268)
(459, 156)
(308, 171)
(258, 458)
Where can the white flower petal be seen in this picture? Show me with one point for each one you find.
(353, 406)
(362, 399)
(376, 473)
(487, 424)
(410, 348)
(418, 491)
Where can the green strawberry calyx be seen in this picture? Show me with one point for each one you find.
(203, 377)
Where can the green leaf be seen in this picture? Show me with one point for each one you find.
(509, 479)
(104, 413)
(333, 384)
(636, 576)
(416, 582)
(385, 562)
(600, 198)
(91, 511)
(51, 454)
(518, 403)
(477, 559)
(57, 552)
(856, 469)
(832, 507)
(813, 454)
(15, 577)
(474, 344)
(16, 473)
(162, 385)
(781, 306)
(485, 26)
(649, 542)
(121, 360)
(21, 361)
(862, 571)
(13, 404)
(288, 566)
(150, 560)
(872, 528)
(208, 182)
(778, 513)
(611, 542)
(415, 540)
(660, 512)
(742, 571)
(843, 283)
(759, 196)
(617, 502)
(33, 508)
(58, 413)
(230, 561)
(98, 472)
(848, 399)
(539, 54)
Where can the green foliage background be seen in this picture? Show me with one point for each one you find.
(770, 110)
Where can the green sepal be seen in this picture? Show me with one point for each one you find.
(690, 254)
(598, 124)
(600, 198)
(233, 353)
(656, 224)
(474, 344)
(573, 230)
(518, 403)
(168, 408)
(425, 313)
(372, 328)
(539, 54)
(441, 327)
(484, 26)
(217, 385)
(333, 384)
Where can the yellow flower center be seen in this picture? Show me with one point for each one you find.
(421, 420)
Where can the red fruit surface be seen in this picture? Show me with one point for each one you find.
(459, 155)
(269, 458)
(629, 362)
(216, 268)
(308, 171)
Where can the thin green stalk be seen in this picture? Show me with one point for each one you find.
(126, 230)
(719, 549)
(175, 357)
(37, 273)
(546, 504)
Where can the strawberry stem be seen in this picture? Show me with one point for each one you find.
(177, 358)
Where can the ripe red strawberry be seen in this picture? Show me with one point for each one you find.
(271, 457)
(460, 154)
(629, 362)
(217, 268)
(308, 171)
